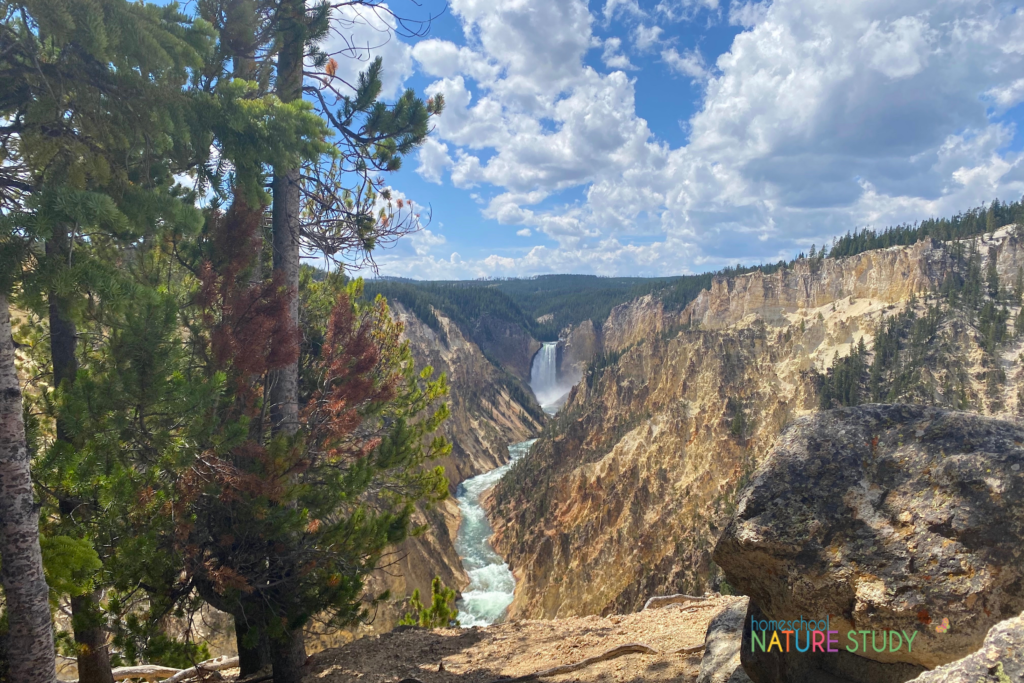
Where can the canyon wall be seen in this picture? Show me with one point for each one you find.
(506, 344)
(627, 491)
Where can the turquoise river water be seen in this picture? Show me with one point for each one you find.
(489, 593)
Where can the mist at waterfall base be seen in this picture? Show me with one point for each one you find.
(491, 583)
(547, 387)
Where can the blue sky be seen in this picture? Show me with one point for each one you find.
(657, 137)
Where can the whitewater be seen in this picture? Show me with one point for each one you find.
(491, 583)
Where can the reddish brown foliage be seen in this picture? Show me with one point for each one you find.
(353, 376)
(250, 331)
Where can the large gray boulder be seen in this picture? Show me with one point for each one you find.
(886, 518)
(721, 660)
(1000, 659)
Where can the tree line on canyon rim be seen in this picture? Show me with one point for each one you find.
(546, 305)
(202, 420)
(908, 347)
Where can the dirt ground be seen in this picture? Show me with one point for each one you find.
(482, 655)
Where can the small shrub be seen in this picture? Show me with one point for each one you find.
(441, 613)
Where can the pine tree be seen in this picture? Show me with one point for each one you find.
(92, 94)
(308, 495)
(992, 274)
(441, 613)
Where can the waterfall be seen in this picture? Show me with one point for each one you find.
(544, 377)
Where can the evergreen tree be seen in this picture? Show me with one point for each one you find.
(441, 613)
(843, 382)
(93, 93)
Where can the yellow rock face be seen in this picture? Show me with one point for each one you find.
(626, 498)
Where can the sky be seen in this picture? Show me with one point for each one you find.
(665, 137)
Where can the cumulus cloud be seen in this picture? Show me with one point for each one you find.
(525, 232)
(446, 59)
(1009, 95)
(434, 160)
(900, 48)
(690, 63)
(819, 118)
(424, 241)
(747, 14)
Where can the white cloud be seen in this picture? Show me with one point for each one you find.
(434, 160)
(612, 57)
(445, 59)
(1006, 96)
(821, 117)
(690, 63)
(677, 10)
(899, 49)
(747, 14)
(621, 7)
(424, 241)
(647, 37)
(525, 232)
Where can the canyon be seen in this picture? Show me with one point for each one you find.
(630, 485)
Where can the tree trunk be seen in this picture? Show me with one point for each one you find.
(86, 618)
(252, 656)
(30, 652)
(289, 657)
(289, 653)
(284, 392)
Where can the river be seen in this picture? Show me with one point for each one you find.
(491, 583)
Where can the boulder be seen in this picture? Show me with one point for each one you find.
(1000, 659)
(721, 660)
(886, 518)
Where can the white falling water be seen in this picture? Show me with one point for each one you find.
(544, 378)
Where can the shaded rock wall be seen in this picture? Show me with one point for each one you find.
(506, 344)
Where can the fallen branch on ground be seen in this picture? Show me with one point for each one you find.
(147, 672)
(615, 652)
(215, 664)
(166, 674)
(663, 600)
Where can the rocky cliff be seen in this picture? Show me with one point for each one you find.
(628, 489)
(490, 408)
(506, 344)
(885, 275)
